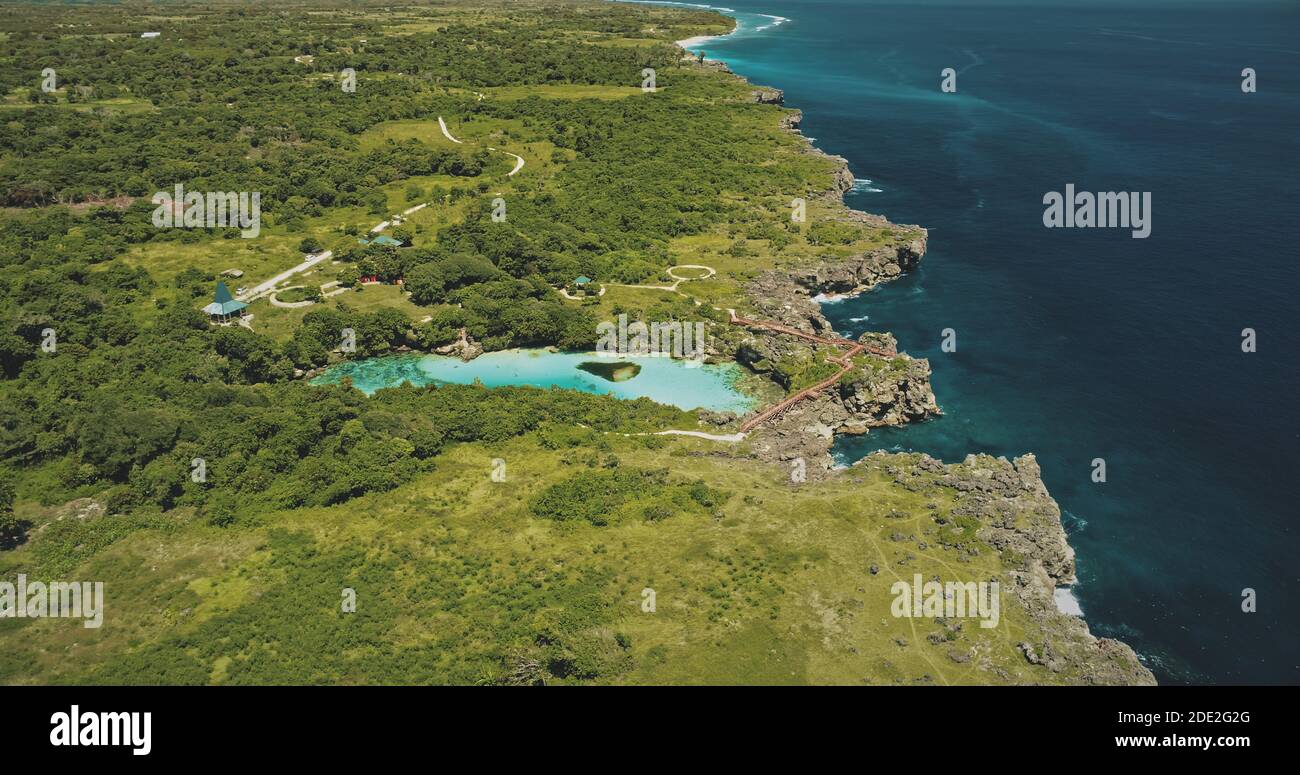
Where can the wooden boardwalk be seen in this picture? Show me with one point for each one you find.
(845, 362)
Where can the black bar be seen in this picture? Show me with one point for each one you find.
(1013, 726)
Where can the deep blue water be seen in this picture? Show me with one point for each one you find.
(1077, 344)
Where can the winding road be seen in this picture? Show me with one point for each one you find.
(519, 160)
(445, 133)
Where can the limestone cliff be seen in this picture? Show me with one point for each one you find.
(1009, 509)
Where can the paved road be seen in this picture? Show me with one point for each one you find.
(261, 289)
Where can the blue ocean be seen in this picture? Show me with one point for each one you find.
(1078, 344)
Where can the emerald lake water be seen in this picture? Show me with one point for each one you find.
(664, 380)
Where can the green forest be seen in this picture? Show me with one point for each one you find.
(138, 378)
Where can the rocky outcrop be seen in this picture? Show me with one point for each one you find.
(464, 348)
(805, 433)
(1012, 512)
(843, 177)
(80, 509)
(767, 96)
(899, 392)
(888, 392)
(792, 119)
(863, 271)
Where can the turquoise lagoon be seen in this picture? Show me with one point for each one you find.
(664, 380)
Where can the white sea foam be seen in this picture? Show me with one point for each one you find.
(1066, 602)
(689, 5)
(858, 320)
(740, 28)
(863, 185)
(697, 40)
(1073, 522)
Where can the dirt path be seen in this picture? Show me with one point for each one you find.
(519, 160)
(275, 301)
(729, 437)
(677, 280)
(447, 134)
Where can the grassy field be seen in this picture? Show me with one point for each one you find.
(455, 578)
(279, 323)
(110, 106)
(563, 91)
(427, 132)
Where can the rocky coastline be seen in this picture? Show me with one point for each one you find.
(1008, 499)
(1008, 508)
(899, 392)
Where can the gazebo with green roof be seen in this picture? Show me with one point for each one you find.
(382, 239)
(223, 304)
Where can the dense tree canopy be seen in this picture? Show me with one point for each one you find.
(135, 386)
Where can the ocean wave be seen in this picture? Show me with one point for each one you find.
(705, 6)
(864, 185)
(776, 22)
(745, 21)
